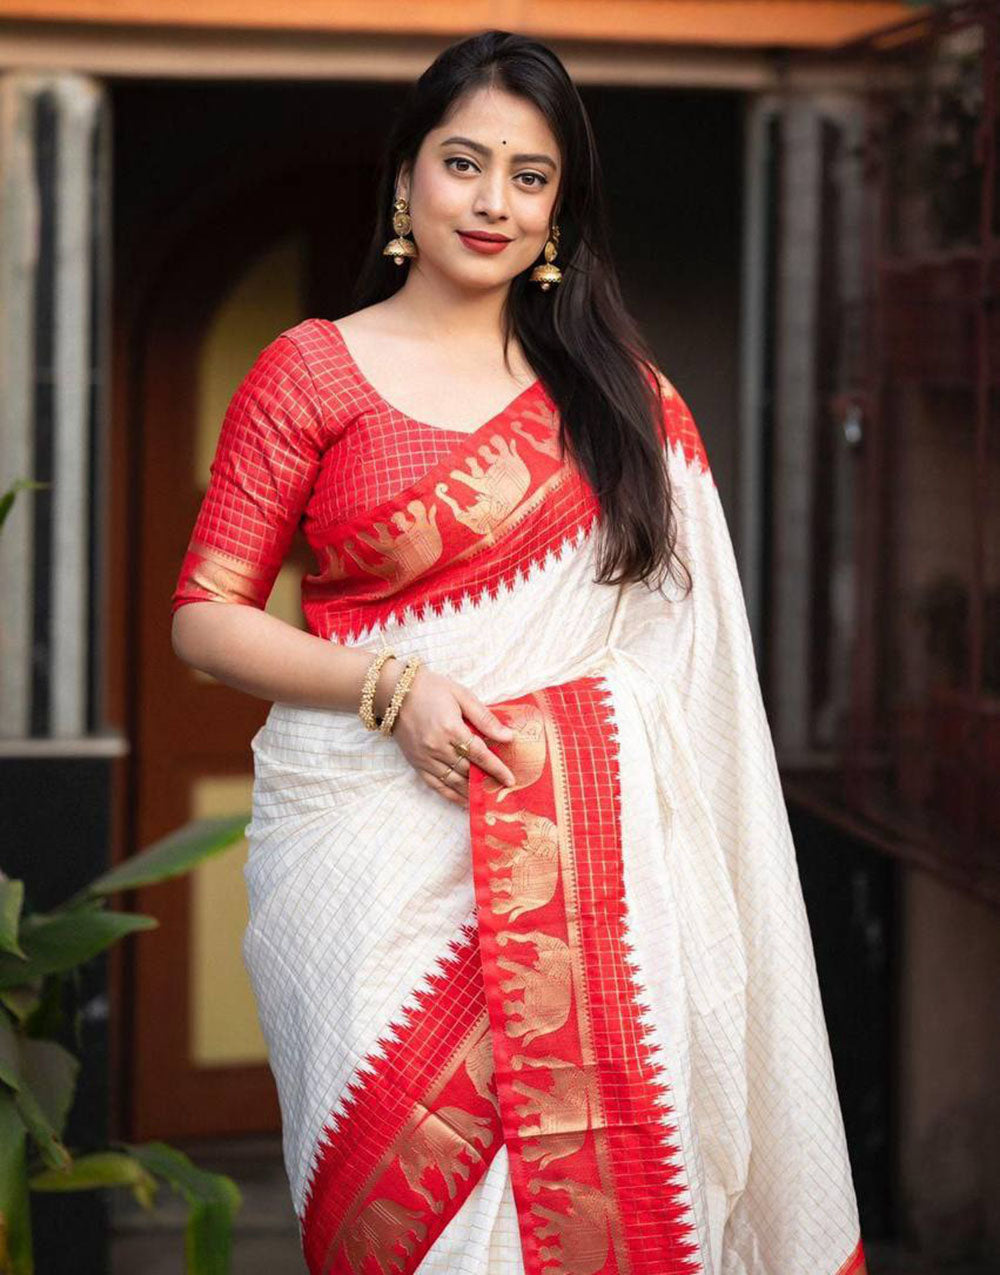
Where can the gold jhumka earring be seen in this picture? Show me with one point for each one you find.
(399, 247)
(548, 273)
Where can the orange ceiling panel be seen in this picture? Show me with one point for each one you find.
(733, 23)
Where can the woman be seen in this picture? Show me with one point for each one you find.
(526, 931)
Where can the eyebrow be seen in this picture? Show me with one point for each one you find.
(485, 150)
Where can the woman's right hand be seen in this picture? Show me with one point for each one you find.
(436, 713)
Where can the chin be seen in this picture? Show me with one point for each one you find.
(485, 273)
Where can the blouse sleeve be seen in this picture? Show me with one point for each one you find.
(261, 478)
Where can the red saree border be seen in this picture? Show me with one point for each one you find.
(677, 426)
(595, 1165)
(474, 524)
(416, 1133)
(856, 1264)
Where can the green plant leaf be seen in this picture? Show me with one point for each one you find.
(99, 1169)
(7, 503)
(50, 1072)
(47, 1018)
(37, 1124)
(208, 1240)
(170, 857)
(41, 1079)
(194, 1184)
(214, 1200)
(22, 1001)
(59, 941)
(15, 1211)
(11, 902)
(10, 1057)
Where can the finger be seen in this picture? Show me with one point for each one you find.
(478, 751)
(480, 754)
(458, 777)
(452, 770)
(444, 789)
(453, 778)
(447, 747)
(458, 764)
(483, 717)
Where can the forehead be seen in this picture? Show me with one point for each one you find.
(493, 116)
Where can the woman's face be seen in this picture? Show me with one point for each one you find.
(492, 168)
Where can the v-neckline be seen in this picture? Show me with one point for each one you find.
(384, 403)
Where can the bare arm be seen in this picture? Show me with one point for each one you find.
(257, 653)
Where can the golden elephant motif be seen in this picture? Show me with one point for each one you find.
(408, 553)
(546, 984)
(499, 486)
(533, 863)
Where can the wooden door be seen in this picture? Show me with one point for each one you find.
(198, 1060)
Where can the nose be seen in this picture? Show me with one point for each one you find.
(491, 196)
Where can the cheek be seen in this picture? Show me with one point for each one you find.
(440, 201)
(535, 231)
(535, 216)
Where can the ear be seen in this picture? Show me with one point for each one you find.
(402, 186)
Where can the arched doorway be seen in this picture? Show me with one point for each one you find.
(253, 264)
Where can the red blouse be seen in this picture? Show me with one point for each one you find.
(275, 467)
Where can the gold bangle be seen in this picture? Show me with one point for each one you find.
(398, 694)
(403, 683)
(366, 709)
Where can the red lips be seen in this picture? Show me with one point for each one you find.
(484, 235)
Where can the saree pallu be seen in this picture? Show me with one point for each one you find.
(576, 1028)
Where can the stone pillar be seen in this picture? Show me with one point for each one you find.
(56, 759)
(54, 321)
(809, 297)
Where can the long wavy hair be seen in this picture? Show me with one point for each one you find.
(579, 338)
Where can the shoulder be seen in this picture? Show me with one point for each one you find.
(278, 380)
(311, 342)
(307, 363)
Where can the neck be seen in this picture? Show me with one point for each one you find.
(449, 313)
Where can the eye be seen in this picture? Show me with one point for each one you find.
(536, 182)
(458, 159)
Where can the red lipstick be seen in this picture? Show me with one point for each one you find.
(483, 241)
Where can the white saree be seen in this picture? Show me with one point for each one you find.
(575, 1028)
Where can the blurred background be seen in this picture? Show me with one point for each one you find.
(804, 197)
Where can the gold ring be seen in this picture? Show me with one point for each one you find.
(463, 749)
(447, 772)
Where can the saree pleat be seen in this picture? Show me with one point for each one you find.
(576, 1028)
